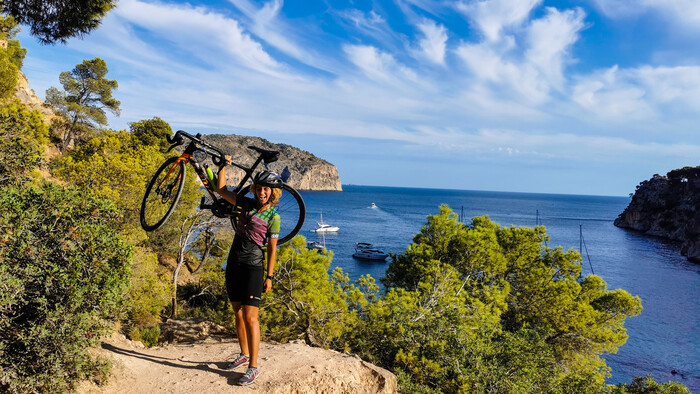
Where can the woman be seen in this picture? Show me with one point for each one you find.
(258, 223)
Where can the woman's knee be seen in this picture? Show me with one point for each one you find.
(250, 314)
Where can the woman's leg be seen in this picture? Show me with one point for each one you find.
(241, 328)
(252, 328)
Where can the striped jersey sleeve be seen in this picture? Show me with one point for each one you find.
(273, 229)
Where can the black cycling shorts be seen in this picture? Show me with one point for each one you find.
(244, 283)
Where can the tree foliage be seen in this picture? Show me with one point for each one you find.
(149, 292)
(114, 165)
(303, 302)
(11, 57)
(152, 132)
(84, 101)
(466, 303)
(117, 165)
(63, 271)
(23, 134)
(54, 21)
(647, 385)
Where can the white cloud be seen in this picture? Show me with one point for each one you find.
(370, 24)
(434, 41)
(492, 16)
(529, 68)
(267, 24)
(561, 145)
(550, 39)
(510, 78)
(687, 12)
(640, 94)
(377, 65)
(196, 29)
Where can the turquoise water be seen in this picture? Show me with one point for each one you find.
(665, 337)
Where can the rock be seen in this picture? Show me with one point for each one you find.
(190, 330)
(668, 207)
(27, 96)
(308, 172)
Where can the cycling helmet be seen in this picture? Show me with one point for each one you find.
(268, 178)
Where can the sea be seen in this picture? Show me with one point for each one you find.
(664, 340)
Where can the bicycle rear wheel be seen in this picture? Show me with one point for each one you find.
(291, 209)
(162, 194)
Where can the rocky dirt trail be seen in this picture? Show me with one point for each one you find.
(197, 367)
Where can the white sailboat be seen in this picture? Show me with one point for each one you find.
(324, 227)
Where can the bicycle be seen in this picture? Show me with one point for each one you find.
(164, 190)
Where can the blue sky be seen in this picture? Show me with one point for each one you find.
(574, 97)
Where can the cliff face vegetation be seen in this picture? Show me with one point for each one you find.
(308, 172)
(668, 207)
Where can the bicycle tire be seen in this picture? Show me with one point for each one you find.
(159, 203)
(291, 209)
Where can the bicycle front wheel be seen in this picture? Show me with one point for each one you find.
(162, 194)
(291, 209)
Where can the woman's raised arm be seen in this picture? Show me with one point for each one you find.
(221, 182)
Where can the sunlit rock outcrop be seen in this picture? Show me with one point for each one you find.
(308, 172)
(668, 207)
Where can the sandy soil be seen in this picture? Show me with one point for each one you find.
(198, 368)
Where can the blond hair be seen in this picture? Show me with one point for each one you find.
(274, 197)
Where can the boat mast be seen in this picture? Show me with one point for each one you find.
(538, 222)
(582, 245)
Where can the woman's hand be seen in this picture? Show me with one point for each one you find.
(271, 256)
(221, 182)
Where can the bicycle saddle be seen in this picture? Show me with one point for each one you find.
(269, 156)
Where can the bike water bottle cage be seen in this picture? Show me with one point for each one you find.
(269, 156)
(268, 178)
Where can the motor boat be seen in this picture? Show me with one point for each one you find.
(365, 251)
(373, 205)
(314, 245)
(324, 227)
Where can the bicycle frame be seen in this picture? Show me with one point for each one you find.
(196, 144)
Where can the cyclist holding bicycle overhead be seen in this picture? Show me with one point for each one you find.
(258, 222)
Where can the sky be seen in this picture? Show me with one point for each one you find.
(573, 97)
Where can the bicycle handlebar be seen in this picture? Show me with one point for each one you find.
(217, 156)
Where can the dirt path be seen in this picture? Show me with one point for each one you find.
(197, 368)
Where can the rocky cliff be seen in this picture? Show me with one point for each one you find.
(308, 172)
(668, 207)
(27, 96)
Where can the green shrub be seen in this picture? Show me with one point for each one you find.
(23, 134)
(63, 274)
(148, 336)
(304, 302)
(206, 298)
(647, 385)
(150, 291)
